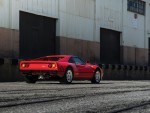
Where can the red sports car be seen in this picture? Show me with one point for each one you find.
(64, 67)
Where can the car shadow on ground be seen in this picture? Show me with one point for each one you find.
(74, 83)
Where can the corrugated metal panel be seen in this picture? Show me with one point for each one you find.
(77, 19)
(9, 10)
(109, 14)
(134, 29)
(4, 13)
(85, 17)
(83, 8)
(45, 7)
(14, 20)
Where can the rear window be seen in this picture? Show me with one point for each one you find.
(50, 58)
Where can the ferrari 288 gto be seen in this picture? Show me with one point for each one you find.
(64, 68)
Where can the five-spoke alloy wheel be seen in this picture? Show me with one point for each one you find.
(68, 77)
(97, 77)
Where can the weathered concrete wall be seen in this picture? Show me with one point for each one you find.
(91, 50)
(9, 48)
(126, 72)
(9, 43)
(135, 56)
(9, 71)
(88, 50)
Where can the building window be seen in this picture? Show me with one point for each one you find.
(136, 6)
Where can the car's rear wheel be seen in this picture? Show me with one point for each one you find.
(96, 77)
(31, 79)
(68, 77)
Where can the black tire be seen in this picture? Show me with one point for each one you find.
(68, 77)
(31, 79)
(96, 77)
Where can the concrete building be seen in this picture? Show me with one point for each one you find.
(104, 31)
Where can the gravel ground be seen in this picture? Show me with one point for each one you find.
(79, 97)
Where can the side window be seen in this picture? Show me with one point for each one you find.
(71, 60)
(78, 61)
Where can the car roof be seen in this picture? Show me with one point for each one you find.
(60, 56)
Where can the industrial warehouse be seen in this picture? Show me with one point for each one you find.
(112, 33)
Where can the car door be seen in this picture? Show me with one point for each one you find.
(83, 69)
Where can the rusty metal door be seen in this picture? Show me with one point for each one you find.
(109, 46)
(37, 35)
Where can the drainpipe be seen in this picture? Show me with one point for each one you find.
(145, 32)
(135, 54)
(94, 28)
(122, 41)
(10, 27)
(10, 14)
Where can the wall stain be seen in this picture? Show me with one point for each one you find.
(1, 2)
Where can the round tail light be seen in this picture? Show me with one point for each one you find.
(53, 65)
(25, 65)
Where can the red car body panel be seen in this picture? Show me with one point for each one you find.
(42, 66)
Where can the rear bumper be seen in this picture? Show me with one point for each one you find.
(39, 72)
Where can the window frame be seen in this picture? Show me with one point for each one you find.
(136, 6)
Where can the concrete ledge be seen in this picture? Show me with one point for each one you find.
(9, 71)
(125, 72)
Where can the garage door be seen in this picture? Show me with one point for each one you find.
(37, 35)
(109, 46)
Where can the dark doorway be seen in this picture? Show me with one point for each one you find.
(109, 46)
(37, 35)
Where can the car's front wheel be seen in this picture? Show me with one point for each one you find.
(31, 79)
(96, 77)
(68, 77)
